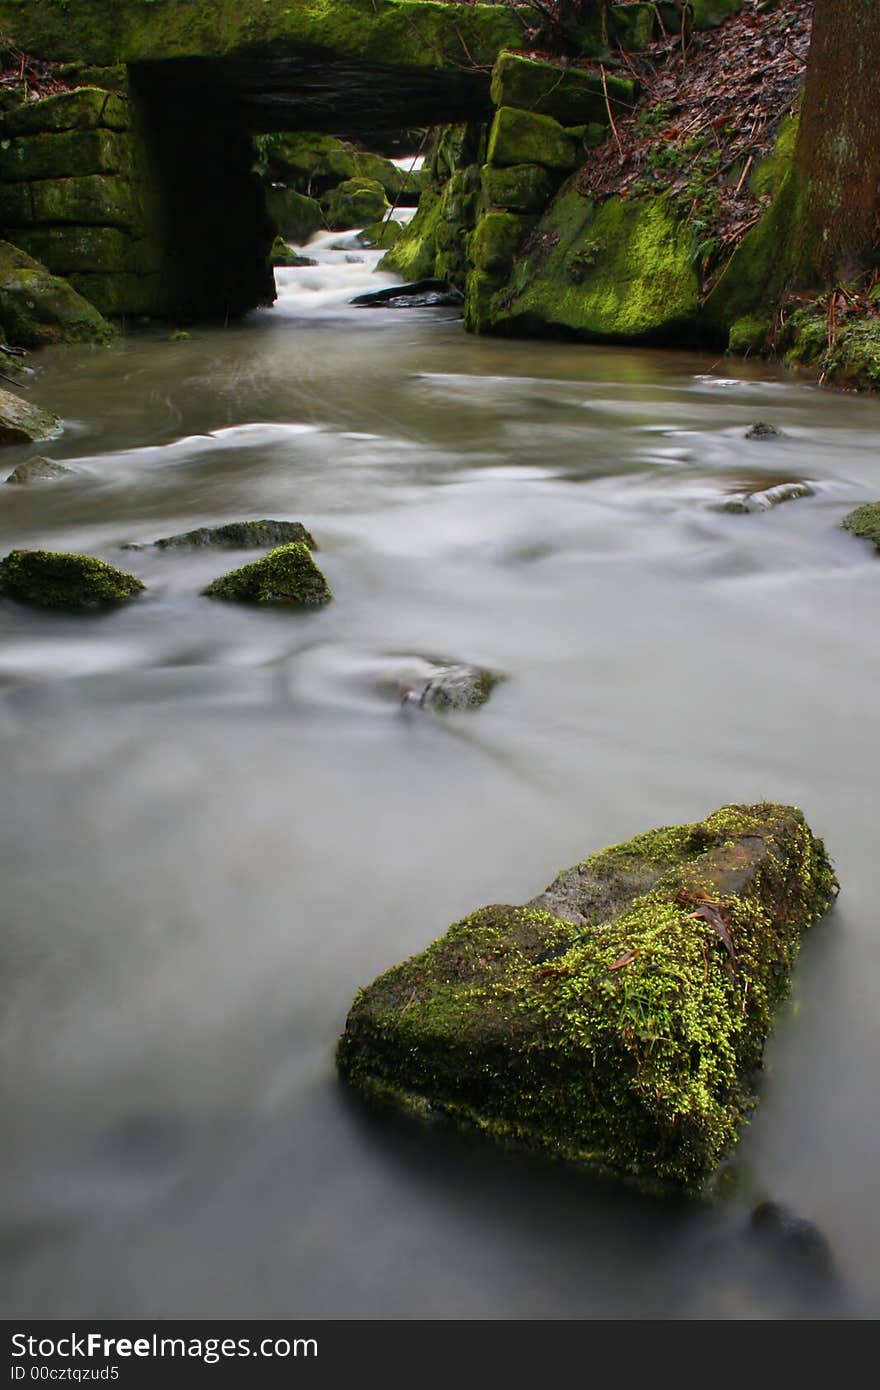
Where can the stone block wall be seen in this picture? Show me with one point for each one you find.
(74, 194)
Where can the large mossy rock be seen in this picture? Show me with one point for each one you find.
(37, 308)
(24, 423)
(286, 576)
(314, 162)
(296, 216)
(72, 583)
(619, 271)
(616, 1020)
(355, 203)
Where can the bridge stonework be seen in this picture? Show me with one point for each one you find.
(138, 186)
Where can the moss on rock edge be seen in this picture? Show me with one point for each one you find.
(616, 1020)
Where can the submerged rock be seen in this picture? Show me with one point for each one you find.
(616, 1019)
(39, 470)
(287, 575)
(24, 423)
(422, 294)
(791, 1235)
(239, 535)
(52, 579)
(452, 688)
(761, 430)
(768, 497)
(864, 522)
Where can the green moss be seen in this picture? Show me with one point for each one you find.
(68, 154)
(355, 203)
(49, 579)
(519, 187)
(864, 522)
(95, 200)
(759, 269)
(314, 162)
(496, 238)
(620, 271)
(616, 1020)
(570, 95)
(287, 575)
(415, 254)
(104, 250)
(749, 334)
(87, 108)
(395, 32)
(37, 308)
(380, 235)
(850, 358)
(768, 175)
(523, 137)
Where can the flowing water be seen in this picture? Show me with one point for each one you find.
(217, 823)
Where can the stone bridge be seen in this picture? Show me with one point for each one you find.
(163, 184)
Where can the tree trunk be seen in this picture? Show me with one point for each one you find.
(838, 152)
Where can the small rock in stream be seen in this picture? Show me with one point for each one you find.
(452, 688)
(791, 1234)
(761, 430)
(39, 470)
(769, 497)
(421, 294)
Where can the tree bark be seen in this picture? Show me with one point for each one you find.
(837, 161)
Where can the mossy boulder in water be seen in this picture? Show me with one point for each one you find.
(37, 308)
(51, 579)
(618, 1019)
(296, 216)
(287, 576)
(355, 203)
(864, 522)
(24, 423)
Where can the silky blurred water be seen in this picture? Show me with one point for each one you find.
(218, 823)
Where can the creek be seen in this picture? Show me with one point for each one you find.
(219, 822)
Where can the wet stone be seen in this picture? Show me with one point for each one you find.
(238, 535)
(453, 688)
(39, 470)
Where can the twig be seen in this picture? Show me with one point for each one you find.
(608, 108)
(745, 173)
